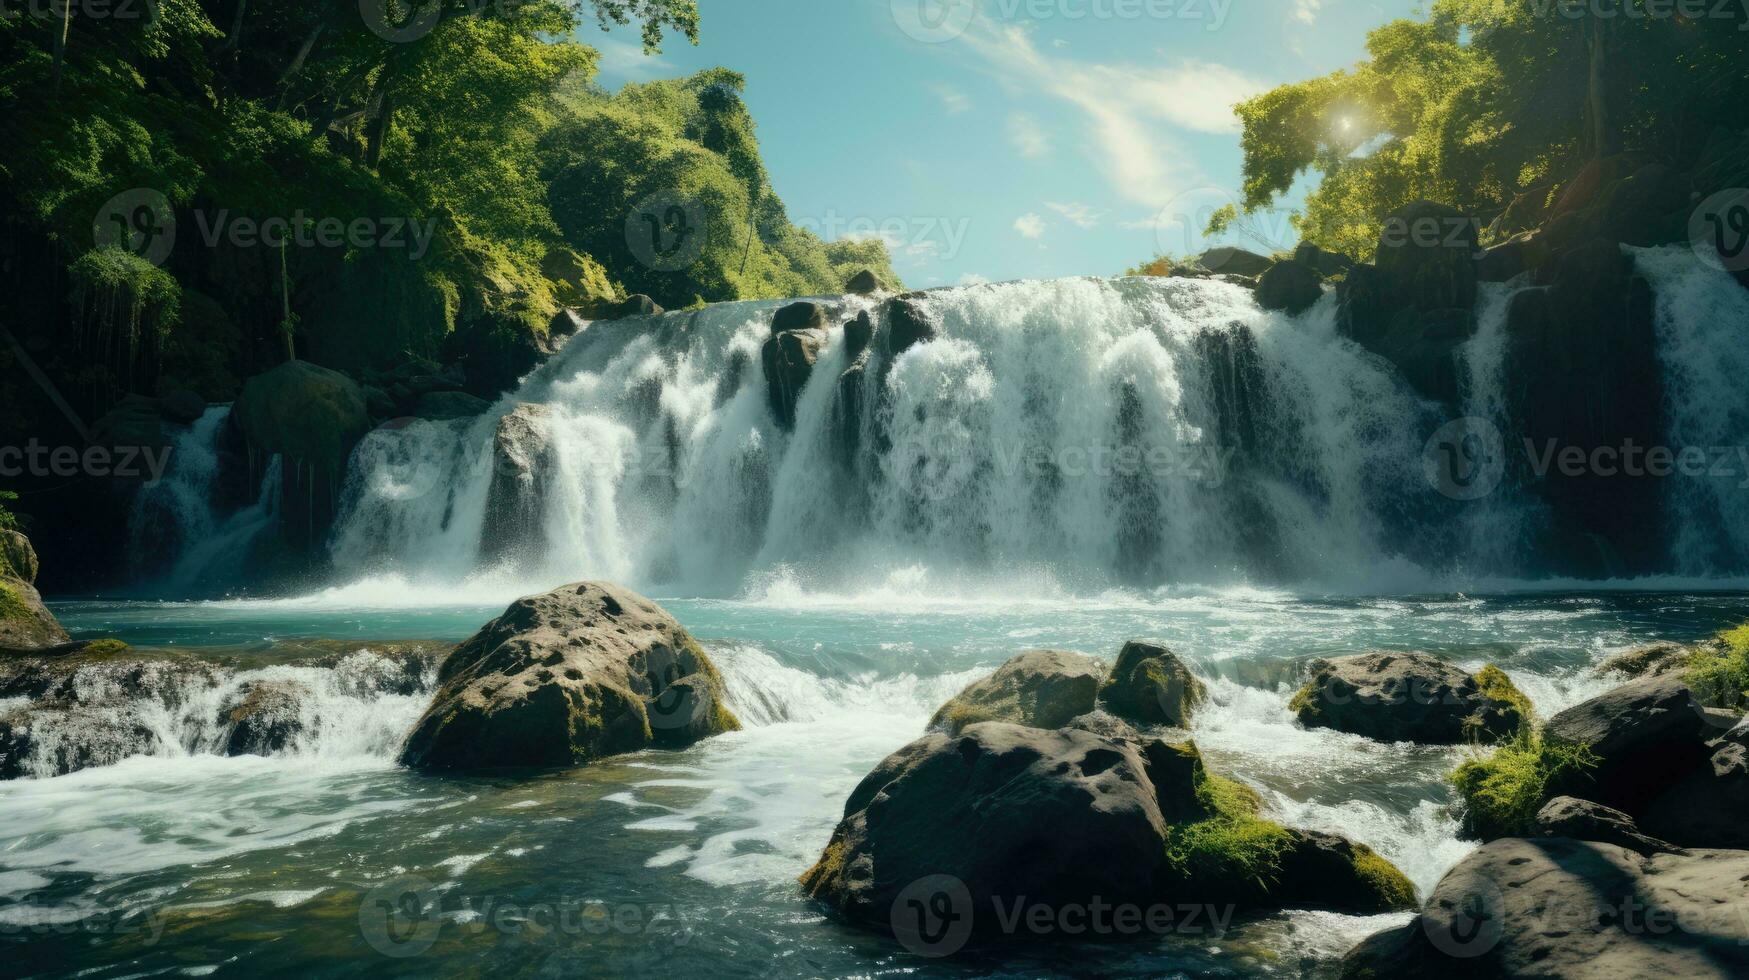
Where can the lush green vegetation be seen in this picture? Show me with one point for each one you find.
(1233, 844)
(1489, 105)
(482, 127)
(1719, 671)
(1504, 790)
(8, 520)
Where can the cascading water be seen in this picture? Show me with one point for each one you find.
(1082, 432)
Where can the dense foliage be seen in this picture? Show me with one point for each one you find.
(438, 124)
(1491, 103)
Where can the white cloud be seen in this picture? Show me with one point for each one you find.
(1030, 226)
(626, 61)
(1028, 136)
(1079, 215)
(953, 100)
(1134, 114)
(1306, 11)
(973, 279)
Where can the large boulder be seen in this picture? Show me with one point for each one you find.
(1290, 286)
(865, 283)
(26, 625)
(1708, 807)
(566, 678)
(1410, 697)
(1566, 816)
(1566, 908)
(1644, 736)
(1151, 686)
(310, 415)
(798, 338)
(1038, 689)
(1002, 816)
(17, 558)
(448, 406)
(1427, 348)
(523, 470)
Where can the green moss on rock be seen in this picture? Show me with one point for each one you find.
(1503, 790)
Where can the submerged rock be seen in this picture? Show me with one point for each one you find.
(1566, 908)
(1151, 686)
(1001, 815)
(1410, 697)
(1038, 689)
(566, 678)
(264, 718)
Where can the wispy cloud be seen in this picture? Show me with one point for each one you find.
(1028, 136)
(624, 61)
(1306, 11)
(1134, 115)
(953, 100)
(1030, 226)
(1079, 215)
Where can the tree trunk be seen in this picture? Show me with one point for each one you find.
(1604, 137)
(235, 41)
(297, 64)
(379, 132)
(61, 41)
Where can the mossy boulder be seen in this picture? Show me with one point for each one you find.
(1008, 814)
(1038, 689)
(1290, 286)
(308, 414)
(1411, 697)
(17, 558)
(1151, 686)
(566, 678)
(26, 625)
(264, 717)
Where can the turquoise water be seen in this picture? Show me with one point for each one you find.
(180, 862)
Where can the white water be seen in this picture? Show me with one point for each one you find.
(1074, 431)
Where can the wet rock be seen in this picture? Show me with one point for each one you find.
(1427, 258)
(58, 738)
(1565, 908)
(1290, 286)
(1002, 813)
(1151, 686)
(908, 323)
(566, 678)
(1409, 697)
(17, 558)
(799, 316)
(26, 625)
(788, 359)
(1650, 660)
(635, 305)
(858, 333)
(264, 718)
(1503, 262)
(1707, 807)
(1038, 689)
(308, 414)
(523, 469)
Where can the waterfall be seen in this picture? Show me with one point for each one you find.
(181, 523)
(1082, 433)
(1702, 313)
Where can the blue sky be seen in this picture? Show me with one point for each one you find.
(1006, 139)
